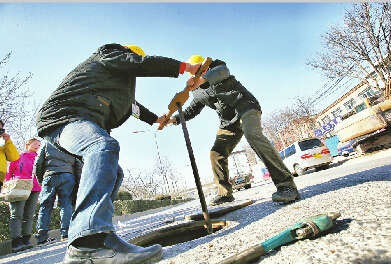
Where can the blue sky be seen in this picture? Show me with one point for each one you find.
(265, 46)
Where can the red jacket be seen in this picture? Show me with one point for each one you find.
(23, 169)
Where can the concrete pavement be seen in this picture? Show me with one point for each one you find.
(360, 189)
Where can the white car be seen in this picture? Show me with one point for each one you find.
(306, 154)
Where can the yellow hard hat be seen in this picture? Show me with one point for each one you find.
(136, 49)
(195, 59)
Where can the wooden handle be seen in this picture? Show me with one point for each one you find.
(182, 96)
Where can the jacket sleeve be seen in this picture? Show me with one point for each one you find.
(11, 169)
(191, 111)
(10, 151)
(117, 58)
(39, 165)
(146, 115)
(216, 74)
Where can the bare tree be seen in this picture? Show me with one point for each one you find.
(162, 179)
(16, 107)
(360, 48)
(304, 106)
(141, 184)
(165, 170)
(295, 120)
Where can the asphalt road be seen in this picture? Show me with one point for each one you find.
(349, 185)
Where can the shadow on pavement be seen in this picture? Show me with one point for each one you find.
(268, 207)
(54, 254)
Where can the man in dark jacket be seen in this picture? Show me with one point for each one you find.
(239, 113)
(58, 173)
(97, 96)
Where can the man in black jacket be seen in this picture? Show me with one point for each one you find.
(97, 96)
(239, 113)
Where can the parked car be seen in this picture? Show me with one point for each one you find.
(242, 181)
(345, 148)
(306, 154)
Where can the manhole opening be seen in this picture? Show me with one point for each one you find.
(178, 234)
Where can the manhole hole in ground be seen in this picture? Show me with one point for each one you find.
(176, 234)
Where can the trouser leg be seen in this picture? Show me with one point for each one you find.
(29, 212)
(46, 199)
(66, 183)
(224, 144)
(99, 177)
(120, 177)
(251, 125)
(16, 218)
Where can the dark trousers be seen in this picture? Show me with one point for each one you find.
(226, 141)
(22, 216)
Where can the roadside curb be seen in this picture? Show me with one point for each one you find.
(5, 246)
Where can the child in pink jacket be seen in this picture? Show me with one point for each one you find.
(22, 212)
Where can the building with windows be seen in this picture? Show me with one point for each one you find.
(352, 101)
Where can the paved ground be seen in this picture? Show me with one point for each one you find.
(358, 188)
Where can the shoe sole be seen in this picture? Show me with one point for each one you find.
(214, 204)
(47, 242)
(151, 260)
(287, 201)
(17, 250)
(28, 247)
(154, 258)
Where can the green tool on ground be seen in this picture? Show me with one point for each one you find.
(307, 228)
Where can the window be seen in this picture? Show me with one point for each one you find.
(319, 124)
(349, 104)
(326, 119)
(337, 112)
(290, 151)
(360, 107)
(368, 92)
(310, 143)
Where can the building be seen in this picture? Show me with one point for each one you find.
(352, 101)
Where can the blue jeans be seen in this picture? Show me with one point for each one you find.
(62, 185)
(100, 179)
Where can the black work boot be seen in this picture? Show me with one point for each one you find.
(26, 242)
(17, 244)
(113, 251)
(285, 194)
(43, 237)
(220, 199)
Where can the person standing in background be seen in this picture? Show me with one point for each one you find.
(22, 212)
(58, 173)
(8, 152)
